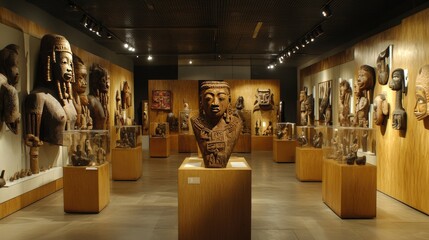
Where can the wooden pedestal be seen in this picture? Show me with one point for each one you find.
(159, 147)
(244, 144)
(214, 203)
(309, 164)
(283, 150)
(262, 143)
(127, 163)
(349, 190)
(174, 143)
(187, 143)
(86, 189)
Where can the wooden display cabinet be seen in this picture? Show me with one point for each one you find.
(86, 189)
(214, 203)
(283, 150)
(262, 143)
(159, 147)
(309, 164)
(349, 190)
(127, 163)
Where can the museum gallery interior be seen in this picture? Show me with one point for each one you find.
(278, 119)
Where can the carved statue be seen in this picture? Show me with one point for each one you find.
(49, 108)
(126, 97)
(264, 100)
(160, 130)
(217, 127)
(99, 82)
(363, 85)
(344, 103)
(309, 108)
(397, 83)
(173, 122)
(239, 105)
(325, 103)
(381, 109)
(257, 128)
(383, 68)
(303, 108)
(302, 139)
(421, 110)
(145, 117)
(9, 77)
(317, 140)
(80, 99)
(269, 130)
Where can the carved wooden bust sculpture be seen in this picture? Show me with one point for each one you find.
(363, 85)
(421, 110)
(397, 83)
(49, 108)
(381, 109)
(9, 77)
(80, 99)
(344, 103)
(99, 82)
(216, 128)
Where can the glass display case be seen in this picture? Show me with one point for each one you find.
(304, 135)
(348, 145)
(159, 130)
(285, 131)
(128, 136)
(86, 147)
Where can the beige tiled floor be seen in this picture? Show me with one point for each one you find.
(282, 208)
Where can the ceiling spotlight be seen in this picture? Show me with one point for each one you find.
(190, 61)
(326, 11)
(149, 58)
(137, 56)
(108, 35)
(126, 45)
(84, 20)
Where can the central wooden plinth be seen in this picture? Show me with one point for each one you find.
(187, 143)
(283, 150)
(262, 143)
(214, 203)
(86, 189)
(127, 163)
(159, 147)
(309, 163)
(349, 190)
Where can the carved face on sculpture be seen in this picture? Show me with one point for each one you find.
(344, 89)
(81, 74)
(302, 96)
(63, 69)
(99, 79)
(215, 98)
(421, 109)
(264, 97)
(381, 109)
(9, 63)
(397, 81)
(365, 79)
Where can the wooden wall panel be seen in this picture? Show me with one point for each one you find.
(402, 165)
(188, 89)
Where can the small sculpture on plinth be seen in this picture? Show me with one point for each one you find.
(217, 127)
(397, 83)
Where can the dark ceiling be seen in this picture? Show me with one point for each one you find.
(215, 32)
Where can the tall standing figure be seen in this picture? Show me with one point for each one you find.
(99, 83)
(217, 127)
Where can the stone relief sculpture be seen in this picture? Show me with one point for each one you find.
(397, 83)
(217, 127)
(49, 108)
(303, 107)
(264, 100)
(9, 77)
(381, 109)
(80, 99)
(99, 83)
(344, 103)
(383, 68)
(363, 85)
(421, 109)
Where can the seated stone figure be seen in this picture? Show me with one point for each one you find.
(217, 127)
(9, 77)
